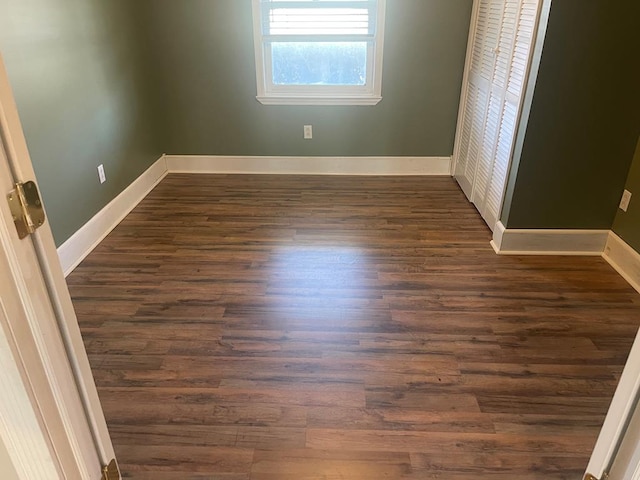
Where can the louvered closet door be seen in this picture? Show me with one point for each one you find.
(518, 32)
(485, 37)
(484, 176)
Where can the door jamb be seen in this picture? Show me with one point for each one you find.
(20, 162)
(618, 416)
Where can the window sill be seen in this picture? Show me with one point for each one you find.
(318, 100)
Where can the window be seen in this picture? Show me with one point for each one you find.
(319, 52)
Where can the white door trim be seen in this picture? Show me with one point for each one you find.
(58, 352)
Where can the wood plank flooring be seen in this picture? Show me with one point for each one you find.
(325, 328)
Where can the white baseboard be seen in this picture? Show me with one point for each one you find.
(624, 259)
(548, 242)
(310, 165)
(81, 243)
(505, 241)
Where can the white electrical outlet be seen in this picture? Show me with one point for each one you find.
(101, 175)
(626, 198)
(308, 132)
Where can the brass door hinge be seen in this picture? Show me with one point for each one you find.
(111, 471)
(26, 208)
(588, 476)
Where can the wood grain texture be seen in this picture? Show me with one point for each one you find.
(312, 328)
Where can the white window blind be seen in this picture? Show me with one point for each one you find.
(319, 18)
(319, 51)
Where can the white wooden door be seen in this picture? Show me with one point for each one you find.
(626, 465)
(30, 453)
(502, 38)
(7, 470)
(617, 450)
(51, 422)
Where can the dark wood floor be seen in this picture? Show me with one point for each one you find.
(325, 328)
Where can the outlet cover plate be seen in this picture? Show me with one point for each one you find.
(626, 198)
(308, 132)
(101, 174)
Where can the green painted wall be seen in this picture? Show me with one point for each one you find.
(80, 89)
(585, 119)
(627, 224)
(120, 82)
(204, 79)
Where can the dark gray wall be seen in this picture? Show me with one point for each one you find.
(204, 79)
(585, 119)
(77, 77)
(627, 224)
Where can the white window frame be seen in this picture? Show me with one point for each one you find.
(270, 94)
